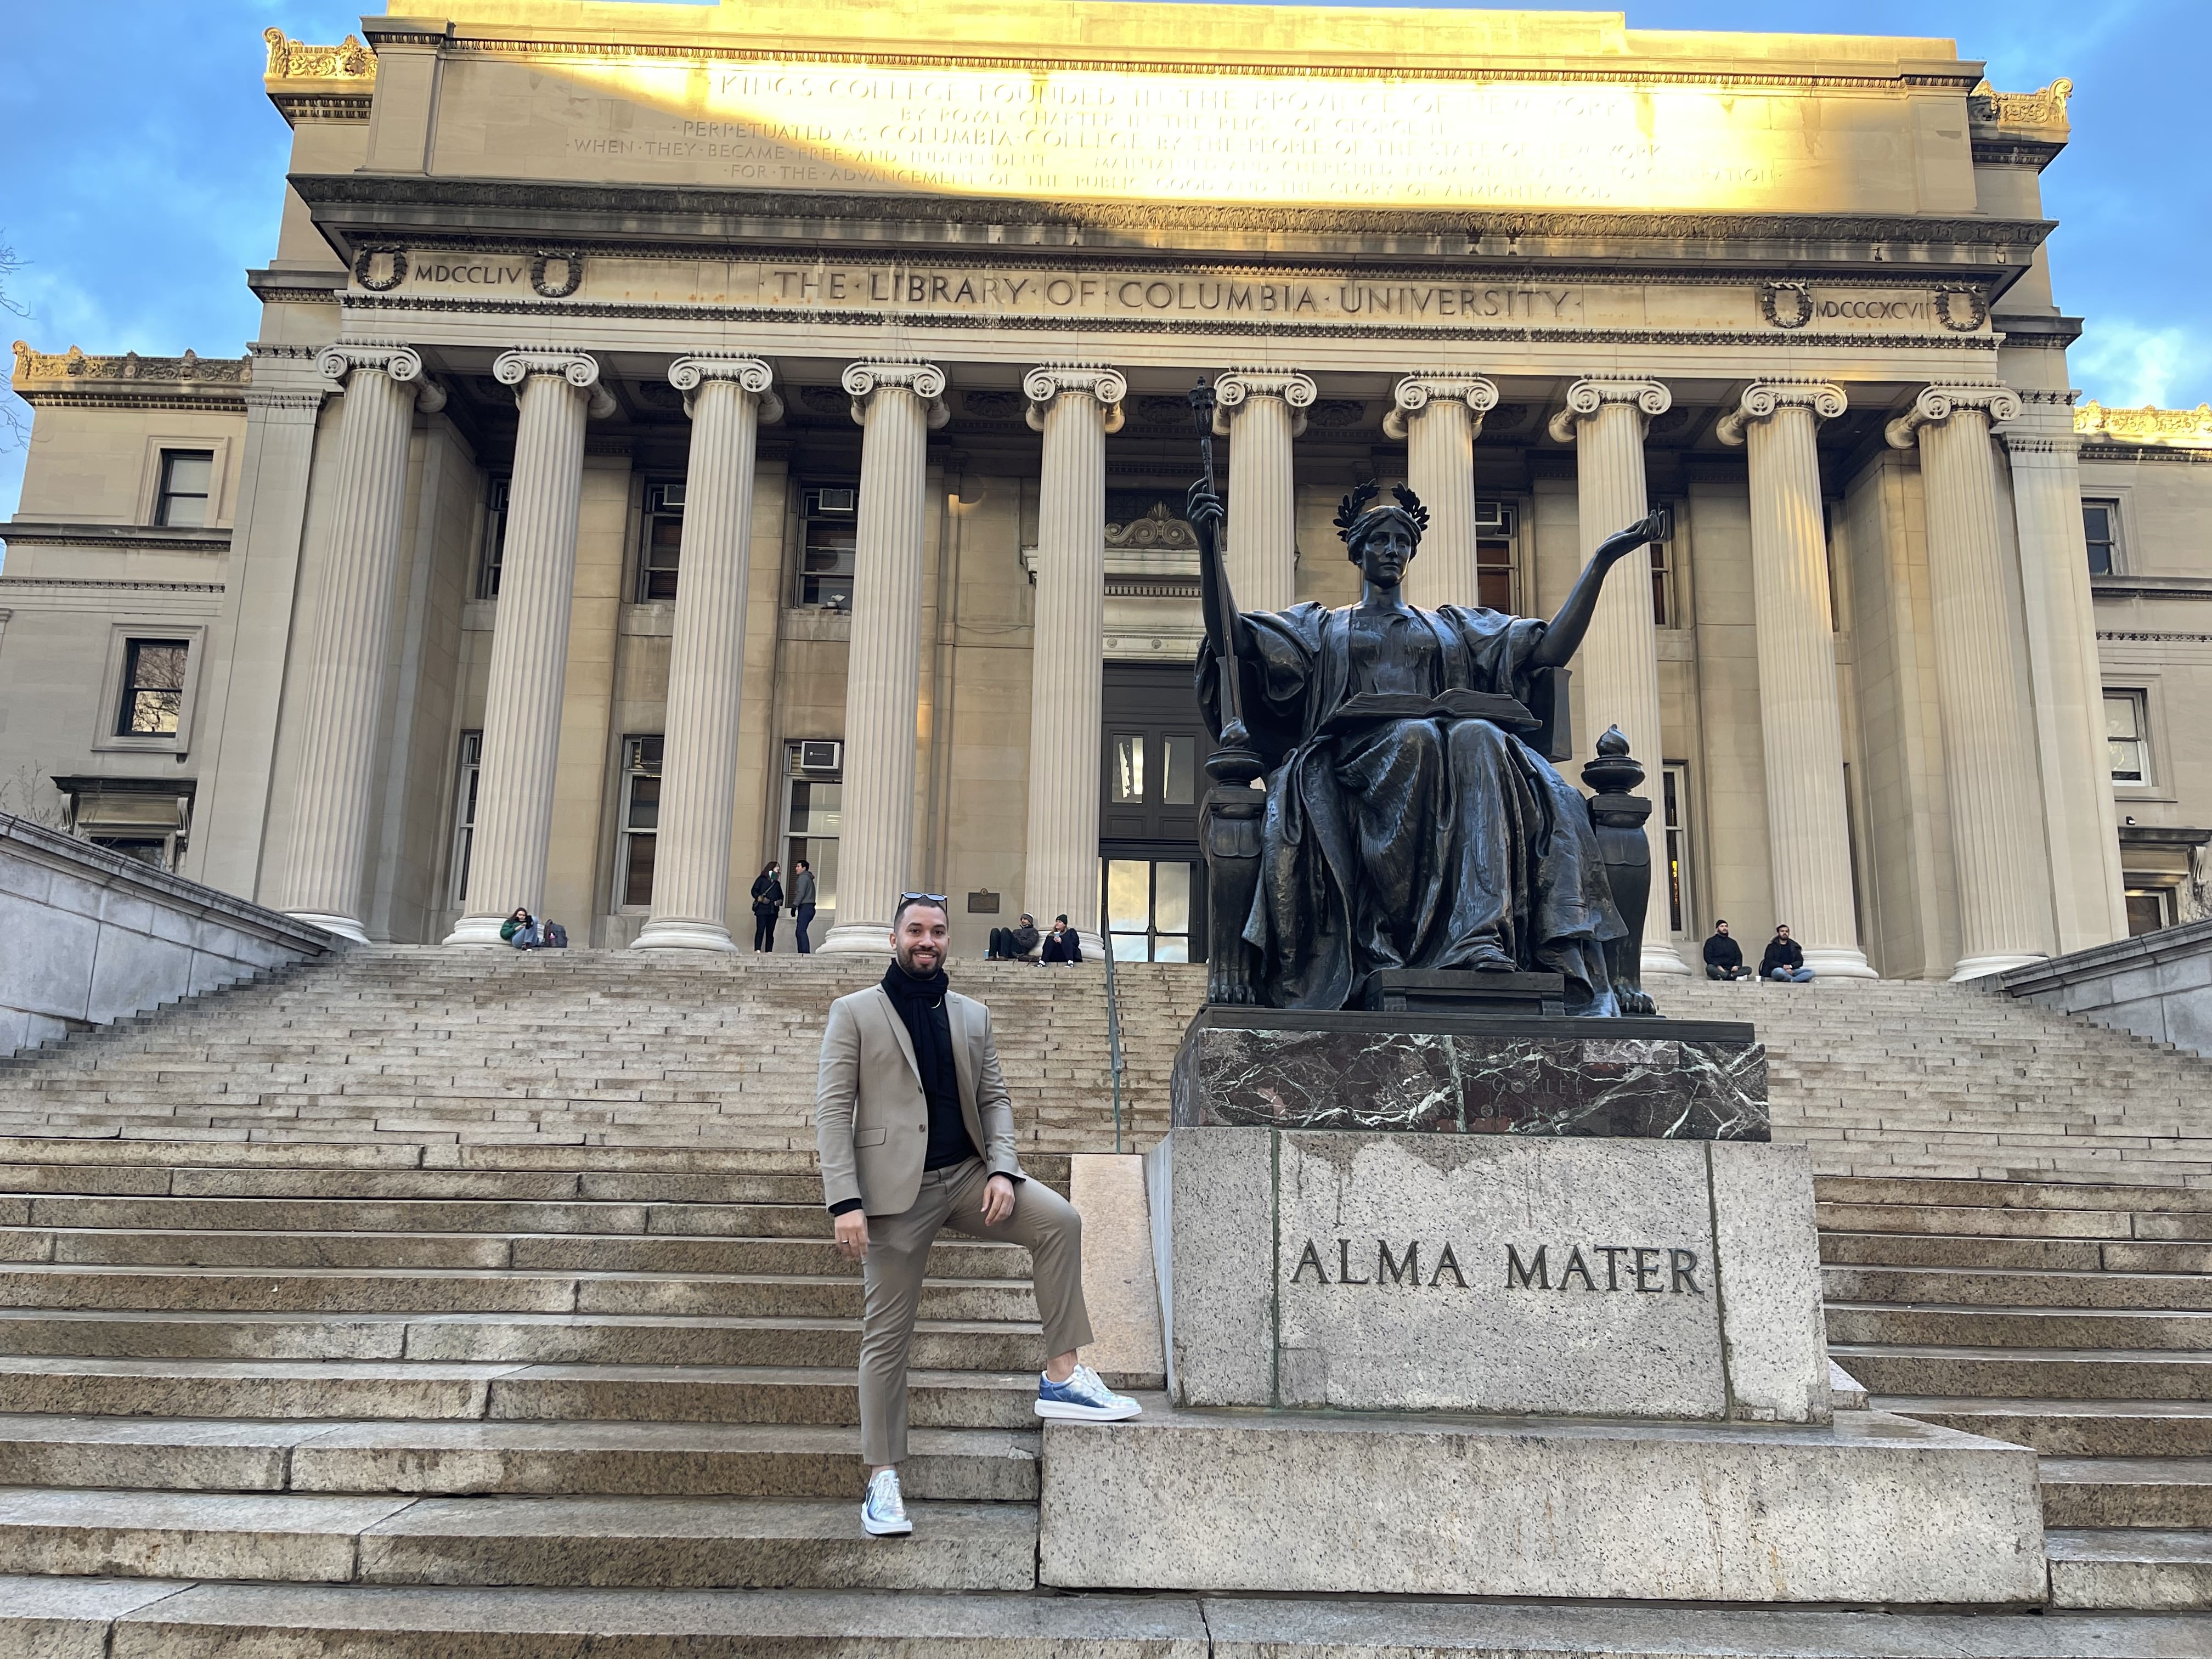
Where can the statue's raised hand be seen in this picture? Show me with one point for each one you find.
(1653, 527)
(1205, 510)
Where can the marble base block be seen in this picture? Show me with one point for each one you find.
(1872, 1508)
(1670, 1281)
(1463, 1074)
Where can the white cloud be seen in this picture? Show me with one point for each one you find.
(2122, 364)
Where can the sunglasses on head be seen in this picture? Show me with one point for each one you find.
(923, 898)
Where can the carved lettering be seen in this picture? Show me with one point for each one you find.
(1398, 1271)
(1684, 1266)
(1647, 1276)
(1575, 1265)
(1448, 1263)
(1310, 1259)
(1344, 1264)
(1532, 1273)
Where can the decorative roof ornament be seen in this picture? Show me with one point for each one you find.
(296, 60)
(2184, 427)
(2044, 109)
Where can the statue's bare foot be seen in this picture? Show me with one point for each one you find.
(1492, 960)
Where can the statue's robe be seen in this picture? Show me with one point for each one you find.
(1432, 843)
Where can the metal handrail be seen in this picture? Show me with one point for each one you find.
(1113, 1036)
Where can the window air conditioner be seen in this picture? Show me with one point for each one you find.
(820, 755)
(836, 501)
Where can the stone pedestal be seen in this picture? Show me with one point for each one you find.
(1467, 1074)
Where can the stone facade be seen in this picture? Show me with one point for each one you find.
(698, 388)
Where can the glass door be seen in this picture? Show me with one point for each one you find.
(1148, 908)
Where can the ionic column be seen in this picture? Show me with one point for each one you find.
(1981, 684)
(1438, 416)
(727, 398)
(1800, 714)
(897, 405)
(1617, 671)
(1075, 408)
(2062, 657)
(1259, 411)
(344, 691)
(530, 638)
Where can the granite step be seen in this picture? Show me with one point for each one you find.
(2008, 1195)
(2142, 1329)
(172, 1619)
(505, 1338)
(562, 1458)
(2016, 1288)
(2127, 1492)
(621, 1542)
(2012, 1373)
(358, 1391)
(279, 1215)
(2070, 1428)
(2127, 1568)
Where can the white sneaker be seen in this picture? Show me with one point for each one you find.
(1083, 1398)
(882, 1511)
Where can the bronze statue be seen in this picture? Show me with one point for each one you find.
(1411, 818)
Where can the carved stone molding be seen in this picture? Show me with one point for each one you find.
(2045, 109)
(579, 369)
(1233, 390)
(76, 364)
(296, 60)
(862, 380)
(1760, 400)
(1417, 391)
(1585, 398)
(1041, 386)
(2188, 427)
(687, 374)
(1937, 404)
(403, 363)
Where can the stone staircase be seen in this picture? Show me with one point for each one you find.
(443, 1048)
(2074, 1319)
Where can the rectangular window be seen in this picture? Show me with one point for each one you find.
(495, 543)
(188, 481)
(2150, 908)
(812, 811)
(153, 688)
(640, 823)
(1178, 771)
(2127, 736)
(464, 811)
(664, 543)
(1674, 796)
(1493, 555)
(2101, 525)
(1127, 761)
(1663, 585)
(829, 527)
(1148, 905)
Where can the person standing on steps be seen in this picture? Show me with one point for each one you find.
(802, 903)
(916, 1133)
(1785, 959)
(768, 899)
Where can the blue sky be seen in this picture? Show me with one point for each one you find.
(137, 199)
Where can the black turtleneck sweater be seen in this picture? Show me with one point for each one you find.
(920, 1006)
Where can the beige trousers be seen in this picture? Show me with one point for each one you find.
(1044, 1222)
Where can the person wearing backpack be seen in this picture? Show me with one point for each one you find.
(768, 899)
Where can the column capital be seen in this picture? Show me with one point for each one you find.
(1231, 392)
(1046, 384)
(687, 374)
(1586, 397)
(1417, 391)
(401, 363)
(579, 369)
(1762, 398)
(862, 380)
(1938, 404)
(2045, 425)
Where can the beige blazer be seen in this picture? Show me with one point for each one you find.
(871, 1116)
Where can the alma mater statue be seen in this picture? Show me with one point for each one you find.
(1408, 824)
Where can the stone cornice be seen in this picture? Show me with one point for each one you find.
(11, 584)
(74, 377)
(2151, 587)
(2185, 428)
(120, 538)
(319, 83)
(355, 211)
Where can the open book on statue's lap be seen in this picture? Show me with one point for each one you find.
(1357, 713)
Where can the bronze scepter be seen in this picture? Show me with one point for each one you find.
(1234, 735)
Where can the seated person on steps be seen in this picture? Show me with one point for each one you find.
(1784, 960)
(1723, 956)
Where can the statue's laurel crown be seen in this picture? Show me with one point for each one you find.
(1348, 511)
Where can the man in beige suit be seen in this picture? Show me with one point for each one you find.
(916, 1133)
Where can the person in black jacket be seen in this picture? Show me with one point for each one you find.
(1014, 944)
(1723, 956)
(1784, 960)
(1061, 944)
(768, 899)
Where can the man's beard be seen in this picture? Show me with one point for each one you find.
(903, 955)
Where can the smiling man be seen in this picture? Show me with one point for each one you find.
(916, 1133)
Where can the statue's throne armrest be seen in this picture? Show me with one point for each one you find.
(1229, 832)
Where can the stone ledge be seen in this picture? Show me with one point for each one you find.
(1874, 1508)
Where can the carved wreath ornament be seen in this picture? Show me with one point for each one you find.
(364, 264)
(1785, 305)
